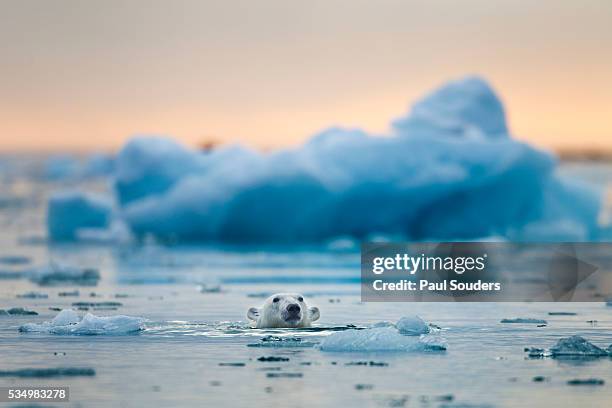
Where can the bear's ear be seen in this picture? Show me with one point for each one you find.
(314, 313)
(253, 313)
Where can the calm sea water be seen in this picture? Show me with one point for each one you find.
(175, 361)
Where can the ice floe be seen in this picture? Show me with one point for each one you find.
(18, 311)
(573, 347)
(408, 334)
(68, 322)
(576, 346)
(49, 372)
(448, 170)
(71, 211)
(524, 320)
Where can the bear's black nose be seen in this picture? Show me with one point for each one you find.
(293, 308)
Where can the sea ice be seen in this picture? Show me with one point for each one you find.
(385, 338)
(573, 347)
(448, 170)
(67, 322)
(527, 320)
(48, 373)
(18, 311)
(68, 212)
(576, 346)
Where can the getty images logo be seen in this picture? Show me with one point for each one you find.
(413, 264)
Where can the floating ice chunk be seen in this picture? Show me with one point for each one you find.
(57, 274)
(412, 326)
(70, 211)
(18, 311)
(67, 322)
(586, 381)
(467, 108)
(48, 373)
(379, 339)
(576, 346)
(527, 320)
(449, 171)
(33, 295)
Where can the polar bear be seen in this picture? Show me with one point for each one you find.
(283, 310)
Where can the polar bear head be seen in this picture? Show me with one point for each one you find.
(283, 310)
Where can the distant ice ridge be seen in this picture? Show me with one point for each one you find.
(448, 170)
(409, 334)
(67, 322)
(69, 212)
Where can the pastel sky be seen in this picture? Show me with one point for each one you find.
(88, 74)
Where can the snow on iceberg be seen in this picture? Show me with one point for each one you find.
(449, 170)
(67, 322)
(70, 211)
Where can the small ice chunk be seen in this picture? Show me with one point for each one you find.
(49, 372)
(33, 295)
(55, 274)
(68, 212)
(527, 320)
(379, 339)
(576, 346)
(587, 381)
(412, 326)
(67, 322)
(20, 311)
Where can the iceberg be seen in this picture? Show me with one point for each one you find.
(67, 322)
(70, 211)
(448, 170)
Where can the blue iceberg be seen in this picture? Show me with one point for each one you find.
(448, 170)
(71, 211)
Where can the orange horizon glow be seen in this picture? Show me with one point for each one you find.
(270, 74)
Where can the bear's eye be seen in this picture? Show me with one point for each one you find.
(276, 300)
(300, 299)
